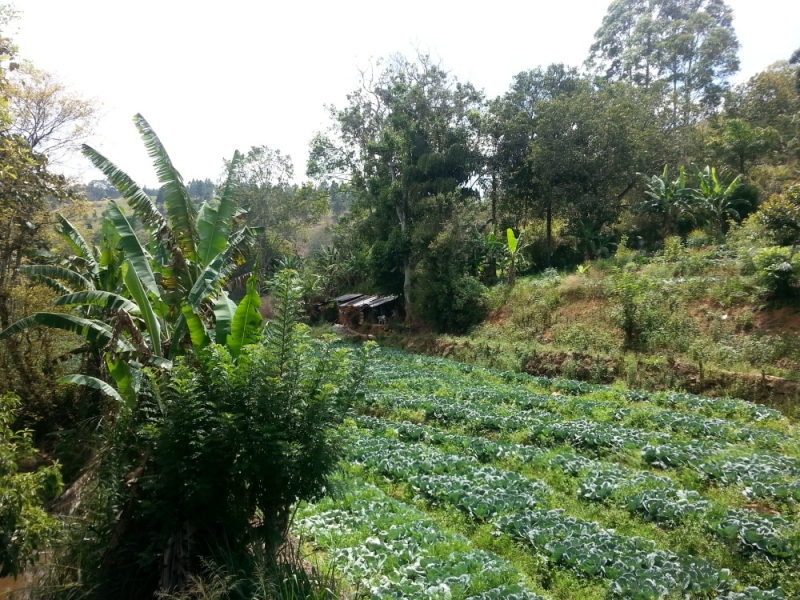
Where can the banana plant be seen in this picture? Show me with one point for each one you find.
(514, 248)
(670, 199)
(147, 304)
(717, 199)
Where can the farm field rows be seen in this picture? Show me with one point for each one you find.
(463, 482)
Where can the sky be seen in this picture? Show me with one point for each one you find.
(215, 77)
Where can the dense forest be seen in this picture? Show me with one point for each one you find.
(193, 403)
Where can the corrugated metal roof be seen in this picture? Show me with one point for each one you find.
(381, 301)
(360, 300)
(348, 297)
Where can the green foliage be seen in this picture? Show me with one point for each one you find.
(449, 294)
(777, 270)
(25, 526)
(716, 199)
(669, 199)
(246, 321)
(455, 304)
(408, 144)
(628, 289)
(210, 461)
(684, 47)
(282, 210)
(780, 215)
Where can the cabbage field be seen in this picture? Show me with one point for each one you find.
(463, 482)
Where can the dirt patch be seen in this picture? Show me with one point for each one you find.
(578, 309)
(785, 319)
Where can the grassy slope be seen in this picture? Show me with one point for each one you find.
(701, 309)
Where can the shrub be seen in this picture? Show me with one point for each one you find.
(205, 470)
(454, 304)
(698, 238)
(777, 270)
(25, 527)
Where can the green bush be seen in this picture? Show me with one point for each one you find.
(777, 270)
(698, 238)
(454, 305)
(207, 467)
(25, 527)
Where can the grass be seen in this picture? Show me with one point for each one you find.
(699, 325)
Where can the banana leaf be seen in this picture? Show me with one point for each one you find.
(93, 383)
(216, 218)
(136, 290)
(95, 332)
(105, 300)
(74, 238)
(206, 283)
(224, 309)
(181, 211)
(512, 241)
(122, 373)
(197, 329)
(246, 324)
(178, 331)
(134, 253)
(234, 253)
(133, 194)
(54, 285)
(56, 272)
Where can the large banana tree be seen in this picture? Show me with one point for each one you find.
(145, 304)
(718, 200)
(669, 198)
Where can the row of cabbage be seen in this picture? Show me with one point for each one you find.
(763, 475)
(399, 365)
(518, 506)
(670, 420)
(652, 497)
(388, 549)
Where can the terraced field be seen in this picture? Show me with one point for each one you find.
(464, 482)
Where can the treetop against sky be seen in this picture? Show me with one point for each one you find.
(214, 78)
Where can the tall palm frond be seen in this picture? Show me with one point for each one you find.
(215, 219)
(180, 210)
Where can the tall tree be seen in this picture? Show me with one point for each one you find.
(514, 129)
(282, 209)
(52, 119)
(569, 146)
(407, 143)
(687, 47)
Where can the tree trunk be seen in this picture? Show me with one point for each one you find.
(549, 231)
(407, 289)
(491, 276)
(403, 217)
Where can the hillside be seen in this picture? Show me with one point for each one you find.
(698, 319)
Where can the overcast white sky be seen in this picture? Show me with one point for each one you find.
(219, 76)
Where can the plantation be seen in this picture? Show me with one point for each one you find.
(464, 482)
(532, 336)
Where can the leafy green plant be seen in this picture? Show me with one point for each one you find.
(627, 289)
(514, 248)
(716, 199)
(780, 215)
(671, 199)
(145, 305)
(25, 527)
(219, 449)
(777, 270)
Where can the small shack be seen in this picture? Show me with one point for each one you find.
(357, 309)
